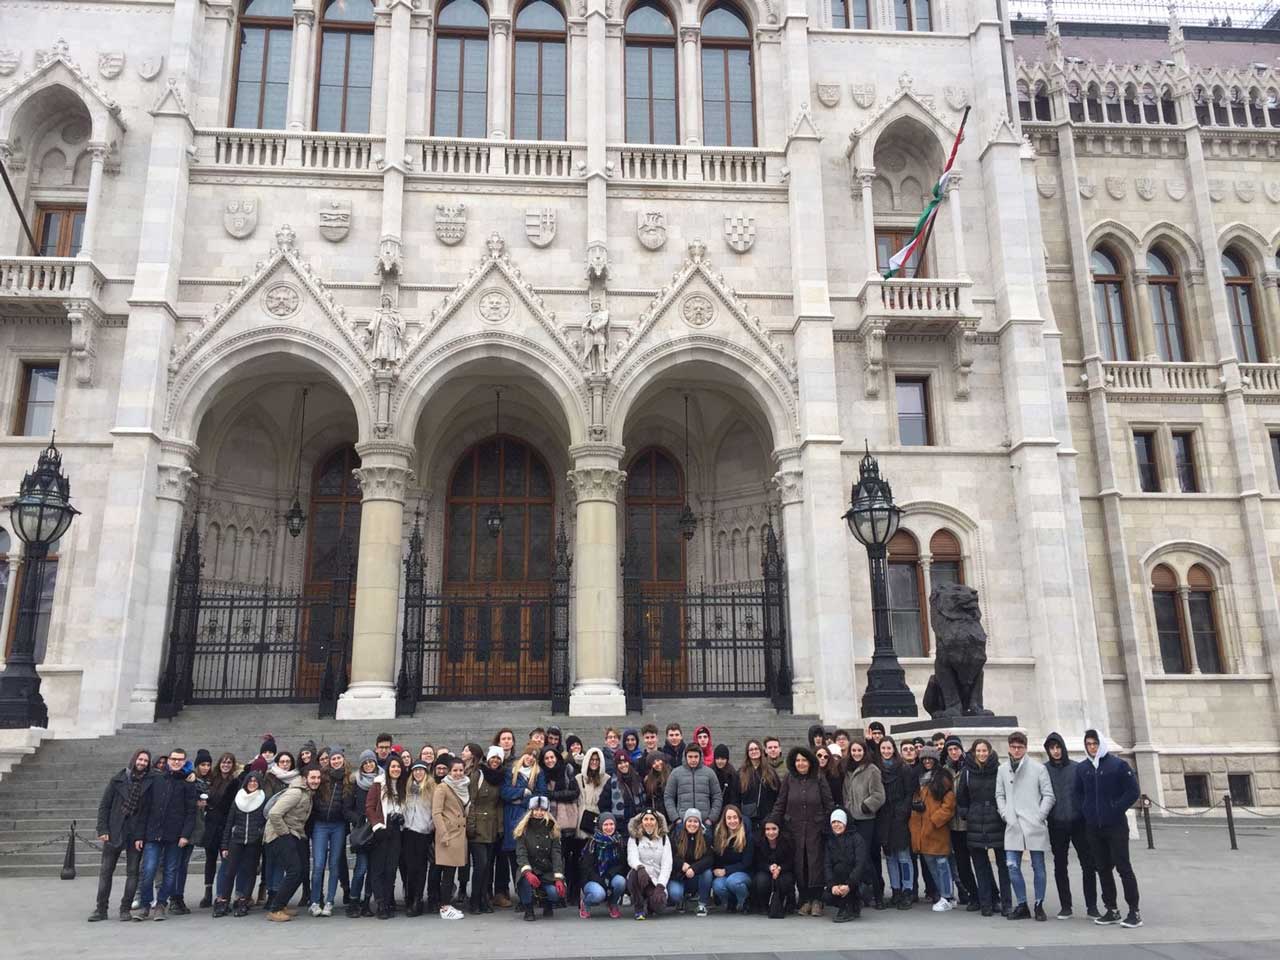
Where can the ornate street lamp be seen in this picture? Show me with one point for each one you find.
(493, 520)
(295, 519)
(873, 518)
(688, 522)
(40, 516)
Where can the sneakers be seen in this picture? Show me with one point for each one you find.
(450, 913)
(804, 909)
(614, 912)
(1065, 913)
(1092, 913)
(1039, 913)
(583, 913)
(178, 907)
(98, 914)
(241, 907)
(327, 910)
(702, 909)
(1020, 912)
(943, 905)
(1134, 919)
(640, 915)
(843, 916)
(1111, 916)
(279, 916)
(220, 908)
(157, 912)
(315, 909)
(125, 914)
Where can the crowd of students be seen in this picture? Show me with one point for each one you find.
(635, 822)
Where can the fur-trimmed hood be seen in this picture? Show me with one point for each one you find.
(635, 830)
(801, 752)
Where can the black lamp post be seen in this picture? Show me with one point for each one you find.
(493, 520)
(40, 516)
(295, 520)
(688, 522)
(873, 518)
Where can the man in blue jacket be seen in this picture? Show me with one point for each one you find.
(1105, 789)
(171, 817)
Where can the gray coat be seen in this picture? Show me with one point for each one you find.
(1024, 800)
(697, 788)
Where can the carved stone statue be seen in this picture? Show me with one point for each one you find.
(595, 338)
(955, 689)
(386, 334)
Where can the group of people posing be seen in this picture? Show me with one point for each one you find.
(636, 822)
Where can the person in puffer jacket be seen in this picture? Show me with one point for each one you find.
(1105, 789)
(845, 863)
(242, 833)
(976, 803)
(1066, 828)
(649, 860)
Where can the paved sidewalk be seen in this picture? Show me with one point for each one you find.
(1201, 901)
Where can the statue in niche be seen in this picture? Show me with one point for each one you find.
(595, 343)
(386, 334)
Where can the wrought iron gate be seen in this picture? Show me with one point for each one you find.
(710, 641)
(255, 643)
(486, 644)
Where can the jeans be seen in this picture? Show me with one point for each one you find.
(239, 866)
(899, 864)
(732, 888)
(940, 869)
(525, 889)
(327, 841)
(981, 857)
(481, 874)
(962, 871)
(1061, 838)
(358, 875)
(152, 856)
(1013, 858)
(184, 867)
(132, 864)
(286, 852)
(1110, 847)
(593, 893)
(677, 886)
(272, 869)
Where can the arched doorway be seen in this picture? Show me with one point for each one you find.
(493, 633)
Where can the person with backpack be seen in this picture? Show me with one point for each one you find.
(242, 834)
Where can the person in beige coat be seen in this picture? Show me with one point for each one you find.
(449, 811)
(286, 837)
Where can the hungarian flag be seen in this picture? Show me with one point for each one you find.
(924, 226)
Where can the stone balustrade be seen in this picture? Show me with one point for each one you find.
(34, 279)
(282, 149)
(532, 159)
(688, 164)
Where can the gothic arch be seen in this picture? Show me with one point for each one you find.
(1189, 254)
(1248, 238)
(1121, 237)
(927, 517)
(1182, 555)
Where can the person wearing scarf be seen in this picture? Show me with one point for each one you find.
(449, 805)
(224, 781)
(366, 772)
(631, 744)
(624, 796)
(484, 830)
(241, 841)
(603, 868)
(121, 820)
(419, 825)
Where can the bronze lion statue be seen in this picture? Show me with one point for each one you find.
(955, 689)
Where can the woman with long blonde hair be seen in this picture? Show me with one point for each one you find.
(539, 859)
(525, 781)
(731, 864)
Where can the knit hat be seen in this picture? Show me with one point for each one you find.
(722, 750)
(203, 756)
(335, 751)
(603, 817)
(953, 741)
(1092, 734)
(309, 745)
(539, 803)
(556, 731)
(268, 745)
(839, 816)
(447, 759)
(622, 757)
(397, 749)
(570, 740)
(366, 755)
(929, 753)
(494, 751)
(918, 741)
(876, 726)
(692, 814)
(419, 765)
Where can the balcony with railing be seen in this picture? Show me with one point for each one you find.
(475, 157)
(916, 306)
(736, 166)
(1260, 379)
(1158, 377)
(230, 148)
(40, 286)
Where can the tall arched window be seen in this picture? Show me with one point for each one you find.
(906, 597)
(539, 77)
(344, 80)
(650, 38)
(260, 98)
(948, 564)
(333, 516)
(728, 98)
(1109, 304)
(1240, 306)
(913, 14)
(461, 89)
(1166, 307)
(1205, 635)
(655, 497)
(1170, 631)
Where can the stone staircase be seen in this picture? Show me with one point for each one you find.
(64, 779)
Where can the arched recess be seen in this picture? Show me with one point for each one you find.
(1174, 238)
(904, 106)
(906, 155)
(927, 517)
(1120, 236)
(1251, 242)
(1197, 566)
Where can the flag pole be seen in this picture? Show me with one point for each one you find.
(928, 230)
(26, 228)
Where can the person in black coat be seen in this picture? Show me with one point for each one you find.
(121, 823)
(171, 817)
(1106, 787)
(846, 863)
(804, 806)
(976, 804)
(223, 782)
(893, 821)
(241, 840)
(774, 869)
(758, 786)
(727, 777)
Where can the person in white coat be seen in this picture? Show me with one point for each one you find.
(1024, 797)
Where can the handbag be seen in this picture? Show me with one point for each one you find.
(587, 822)
(567, 815)
(777, 909)
(362, 837)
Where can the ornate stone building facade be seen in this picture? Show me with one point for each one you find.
(525, 290)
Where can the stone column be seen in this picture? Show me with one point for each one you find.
(98, 158)
(690, 85)
(1145, 335)
(596, 481)
(384, 473)
(300, 68)
(1184, 599)
(174, 477)
(499, 77)
(1271, 316)
(957, 224)
(865, 177)
(789, 481)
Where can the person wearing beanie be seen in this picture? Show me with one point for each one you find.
(563, 792)
(693, 785)
(522, 783)
(223, 781)
(874, 734)
(602, 867)
(574, 748)
(804, 807)
(774, 883)
(484, 829)
(1066, 828)
(266, 755)
(1024, 797)
(385, 808)
(931, 813)
(539, 860)
(416, 839)
(725, 775)
(654, 772)
(122, 814)
(953, 757)
(241, 842)
(306, 754)
(1105, 787)
(361, 891)
(624, 792)
(691, 859)
(329, 812)
(844, 865)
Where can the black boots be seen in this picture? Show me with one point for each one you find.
(178, 907)
(241, 907)
(98, 914)
(366, 909)
(548, 910)
(220, 908)
(529, 914)
(207, 900)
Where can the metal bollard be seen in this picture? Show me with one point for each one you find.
(1231, 819)
(69, 861)
(1146, 821)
